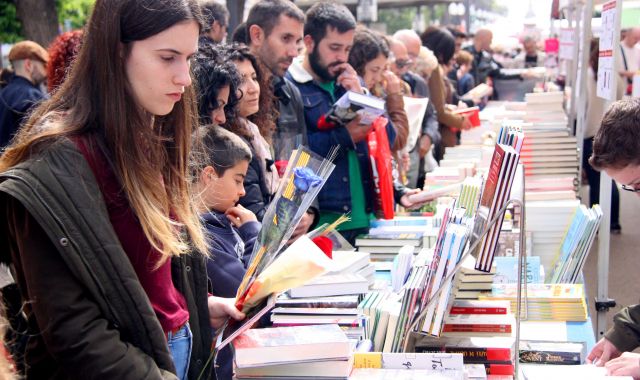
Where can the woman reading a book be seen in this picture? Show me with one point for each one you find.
(96, 209)
(368, 57)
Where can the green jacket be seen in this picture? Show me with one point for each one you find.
(625, 333)
(88, 313)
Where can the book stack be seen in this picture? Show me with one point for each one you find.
(544, 110)
(469, 283)
(406, 228)
(386, 246)
(545, 156)
(576, 245)
(547, 222)
(545, 302)
(494, 354)
(352, 273)
(298, 352)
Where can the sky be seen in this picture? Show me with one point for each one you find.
(512, 25)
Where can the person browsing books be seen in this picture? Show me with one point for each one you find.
(108, 252)
(616, 148)
(323, 75)
(231, 230)
(274, 35)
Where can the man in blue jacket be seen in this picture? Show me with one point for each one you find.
(29, 61)
(323, 75)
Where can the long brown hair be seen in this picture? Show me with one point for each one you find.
(96, 99)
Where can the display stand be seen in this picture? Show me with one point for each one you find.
(522, 267)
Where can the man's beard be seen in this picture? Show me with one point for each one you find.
(320, 70)
(273, 64)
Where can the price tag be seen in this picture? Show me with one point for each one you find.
(566, 43)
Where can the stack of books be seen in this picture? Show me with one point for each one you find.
(418, 231)
(494, 354)
(385, 246)
(550, 153)
(352, 273)
(544, 110)
(545, 302)
(547, 221)
(469, 283)
(299, 352)
(576, 245)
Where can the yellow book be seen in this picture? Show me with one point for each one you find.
(367, 360)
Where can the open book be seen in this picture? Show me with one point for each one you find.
(352, 104)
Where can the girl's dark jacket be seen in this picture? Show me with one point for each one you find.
(88, 314)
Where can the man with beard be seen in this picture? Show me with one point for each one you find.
(29, 61)
(274, 34)
(323, 75)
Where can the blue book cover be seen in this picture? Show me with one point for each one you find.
(507, 270)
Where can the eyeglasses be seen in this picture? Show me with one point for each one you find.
(631, 188)
(403, 63)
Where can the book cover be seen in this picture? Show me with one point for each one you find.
(552, 352)
(346, 301)
(279, 345)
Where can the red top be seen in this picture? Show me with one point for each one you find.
(167, 302)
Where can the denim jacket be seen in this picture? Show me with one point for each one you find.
(335, 196)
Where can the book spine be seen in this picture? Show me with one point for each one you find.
(472, 354)
(550, 357)
(478, 310)
(499, 369)
(477, 328)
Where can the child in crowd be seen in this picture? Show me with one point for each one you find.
(231, 229)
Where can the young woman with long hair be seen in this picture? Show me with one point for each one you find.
(96, 205)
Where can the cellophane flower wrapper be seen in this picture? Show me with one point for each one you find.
(305, 175)
(300, 263)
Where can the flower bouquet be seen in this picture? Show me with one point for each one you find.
(305, 175)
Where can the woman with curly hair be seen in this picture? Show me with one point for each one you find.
(217, 82)
(255, 122)
(62, 53)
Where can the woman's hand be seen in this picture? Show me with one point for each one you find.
(392, 84)
(222, 308)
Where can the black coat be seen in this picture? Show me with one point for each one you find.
(16, 100)
(88, 314)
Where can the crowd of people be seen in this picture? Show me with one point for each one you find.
(133, 184)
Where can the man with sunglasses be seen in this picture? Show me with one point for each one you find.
(616, 151)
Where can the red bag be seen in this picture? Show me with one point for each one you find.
(380, 156)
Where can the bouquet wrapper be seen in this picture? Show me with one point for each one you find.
(298, 264)
(380, 156)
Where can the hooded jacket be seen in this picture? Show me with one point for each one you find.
(229, 250)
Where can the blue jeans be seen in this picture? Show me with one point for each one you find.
(180, 344)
